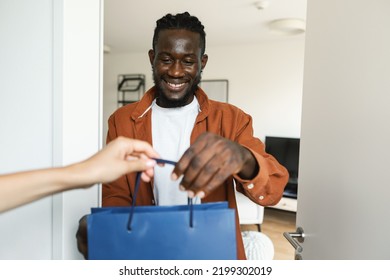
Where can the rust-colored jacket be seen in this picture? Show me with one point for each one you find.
(134, 121)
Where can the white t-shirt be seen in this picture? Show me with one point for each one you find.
(171, 133)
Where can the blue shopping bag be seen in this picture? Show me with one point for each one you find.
(185, 232)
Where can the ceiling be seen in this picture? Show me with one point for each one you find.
(129, 24)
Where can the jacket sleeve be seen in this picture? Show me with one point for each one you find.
(267, 187)
(116, 193)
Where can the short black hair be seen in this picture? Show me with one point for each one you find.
(181, 21)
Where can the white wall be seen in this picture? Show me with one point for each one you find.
(50, 114)
(265, 80)
(26, 119)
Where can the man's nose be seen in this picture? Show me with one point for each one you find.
(176, 69)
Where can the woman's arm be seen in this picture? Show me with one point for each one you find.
(119, 157)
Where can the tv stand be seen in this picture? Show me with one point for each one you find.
(289, 199)
(287, 204)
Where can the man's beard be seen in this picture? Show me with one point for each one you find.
(177, 102)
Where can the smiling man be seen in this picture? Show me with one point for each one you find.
(177, 59)
(211, 141)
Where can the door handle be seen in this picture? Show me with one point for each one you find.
(299, 235)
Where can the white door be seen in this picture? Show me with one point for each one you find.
(50, 115)
(344, 176)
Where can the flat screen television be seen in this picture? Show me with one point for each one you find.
(286, 152)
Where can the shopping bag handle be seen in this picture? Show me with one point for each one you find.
(137, 184)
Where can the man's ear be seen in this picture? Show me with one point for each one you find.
(151, 56)
(204, 59)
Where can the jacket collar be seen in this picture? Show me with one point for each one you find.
(145, 104)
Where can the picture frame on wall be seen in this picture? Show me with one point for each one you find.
(216, 89)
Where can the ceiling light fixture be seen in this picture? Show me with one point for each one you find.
(261, 5)
(288, 26)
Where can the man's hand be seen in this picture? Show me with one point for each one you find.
(210, 161)
(82, 239)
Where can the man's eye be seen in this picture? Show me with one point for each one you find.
(166, 60)
(188, 62)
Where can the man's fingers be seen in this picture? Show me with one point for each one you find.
(200, 173)
(81, 235)
(202, 180)
(192, 152)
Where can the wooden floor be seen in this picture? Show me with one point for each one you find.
(274, 224)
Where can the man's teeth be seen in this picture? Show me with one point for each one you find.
(175, 85)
